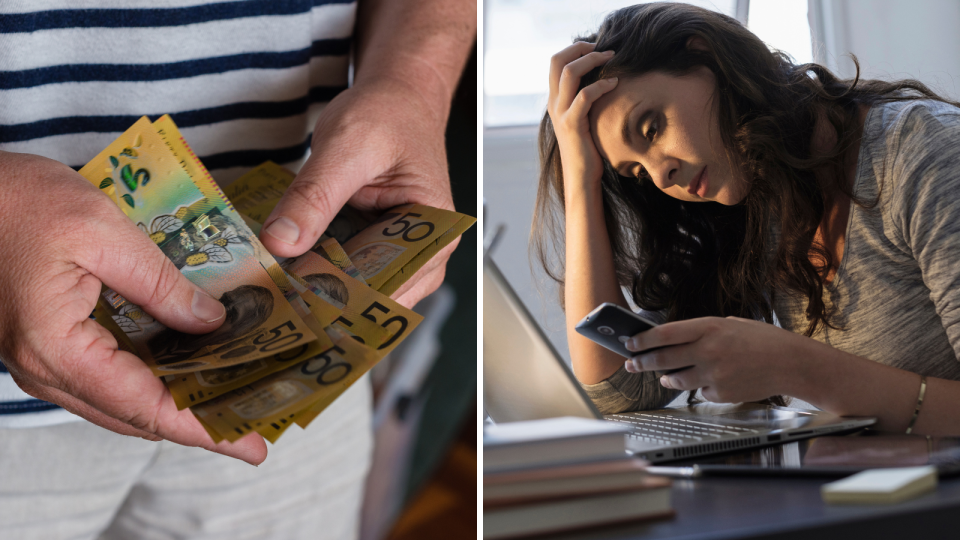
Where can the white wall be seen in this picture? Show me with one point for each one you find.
(893, 39)
(510, 176)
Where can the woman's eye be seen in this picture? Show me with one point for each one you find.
(652, 130)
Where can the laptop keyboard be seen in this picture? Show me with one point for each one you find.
(659, 429)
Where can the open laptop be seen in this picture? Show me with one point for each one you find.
(525, 379)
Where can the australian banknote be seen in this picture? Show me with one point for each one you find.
(190, 389)
(256, 194)
(324, 324)
(386, 252)
(213, 248)
(364, 309)
(268, 405)
(331, 250)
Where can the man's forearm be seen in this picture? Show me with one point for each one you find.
(422, 44)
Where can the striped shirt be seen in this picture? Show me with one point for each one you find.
(244, 80)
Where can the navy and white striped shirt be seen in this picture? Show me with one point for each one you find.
(244, 80)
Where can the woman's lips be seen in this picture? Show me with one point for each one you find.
(699, 185)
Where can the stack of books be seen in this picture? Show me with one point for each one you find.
(546, 476)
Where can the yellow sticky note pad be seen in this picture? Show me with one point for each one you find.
(881, 486)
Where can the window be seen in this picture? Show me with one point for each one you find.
(522, 35)
(782, 24)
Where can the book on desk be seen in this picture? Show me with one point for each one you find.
(559, 474)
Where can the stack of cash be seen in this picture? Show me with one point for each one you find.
(296, 334)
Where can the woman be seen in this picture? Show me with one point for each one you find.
(728, 189)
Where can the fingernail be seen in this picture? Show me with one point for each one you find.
(206, 308)
(284, 230)
(611, 80)
(632, 344)
(608, 53)
(665, 382)
(628, 365)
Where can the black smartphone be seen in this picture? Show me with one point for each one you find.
(611, 325)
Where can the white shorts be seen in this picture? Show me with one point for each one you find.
(79, 481)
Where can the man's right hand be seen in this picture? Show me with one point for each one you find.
(60, 240)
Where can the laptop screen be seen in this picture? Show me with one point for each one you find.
(523, 376)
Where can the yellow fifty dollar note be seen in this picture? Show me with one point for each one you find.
(257, 193)
(331, 250)
(170, 134)
(386, 246)
(323, 312)
(189, 389)
(332, 291)
(408, 270)
(364, 309)
(175, 141)
(265, 182)
(267, 405)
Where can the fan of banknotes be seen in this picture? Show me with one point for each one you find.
(296, 334)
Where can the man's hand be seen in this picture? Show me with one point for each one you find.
(60, 240)
(380, 144)
(376, 147)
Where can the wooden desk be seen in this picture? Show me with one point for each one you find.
(714, 508)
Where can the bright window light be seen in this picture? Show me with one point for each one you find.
(522, 35)
(783, 25)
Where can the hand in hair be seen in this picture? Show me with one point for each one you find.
(568, 109)
(590, 277)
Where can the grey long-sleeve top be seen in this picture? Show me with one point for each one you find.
(897, 290)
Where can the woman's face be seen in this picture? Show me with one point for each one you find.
(667, 126)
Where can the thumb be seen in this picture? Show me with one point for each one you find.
(128, 262)
(329, 178)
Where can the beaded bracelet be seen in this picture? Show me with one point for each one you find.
(916, 412)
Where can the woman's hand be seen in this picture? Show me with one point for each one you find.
(731, 360)
(591, 278)
(568, 110)
(734, 360)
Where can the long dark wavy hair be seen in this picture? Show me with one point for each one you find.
(696, 259)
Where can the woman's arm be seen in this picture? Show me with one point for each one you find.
(849, 385)
(590, 279)
(735, 360)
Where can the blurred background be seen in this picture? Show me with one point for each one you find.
(423, 481)
(892, 39)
